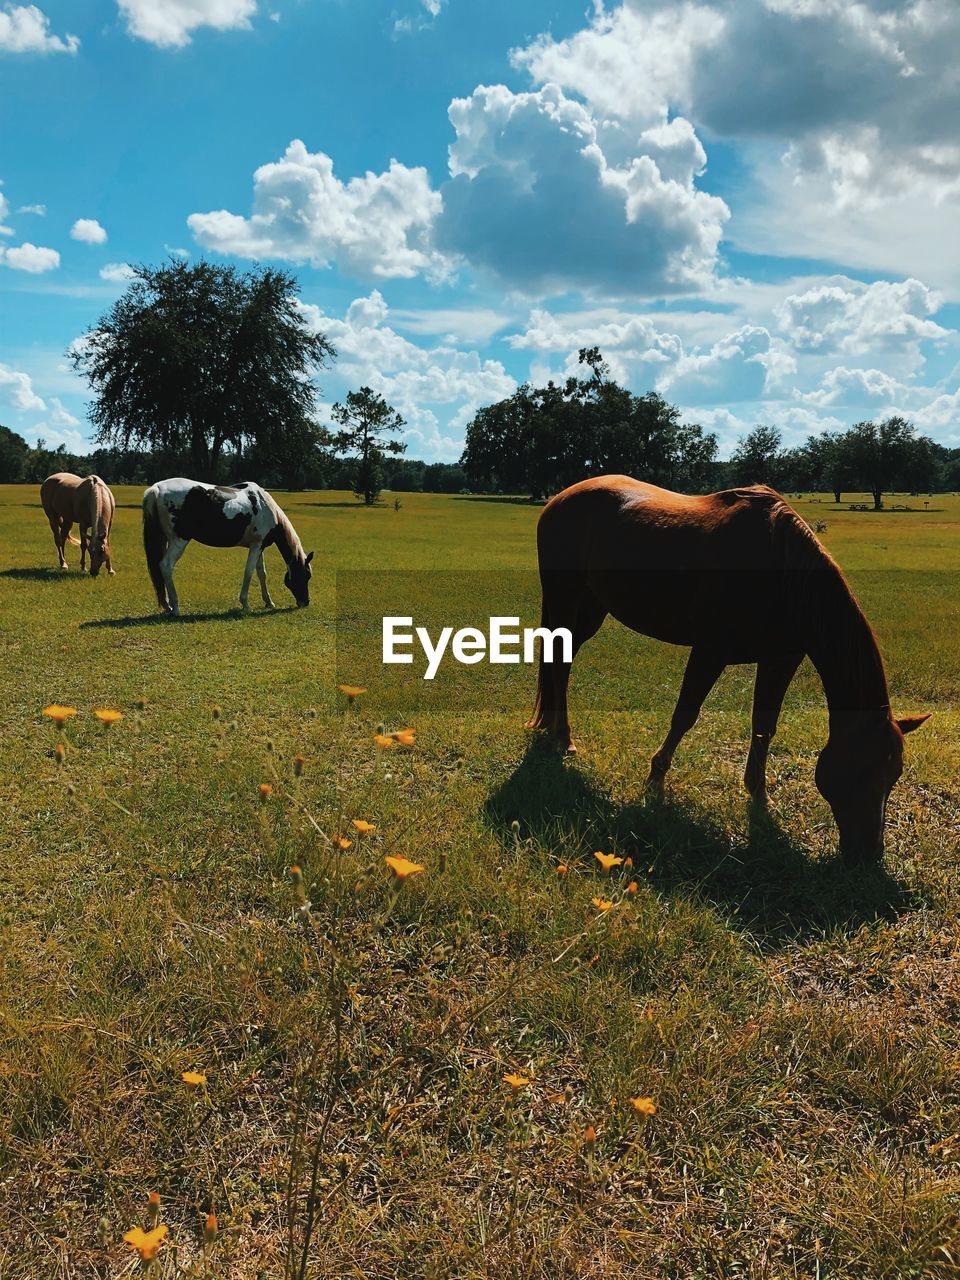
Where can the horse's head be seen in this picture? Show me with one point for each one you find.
(297, 579)
(98, 549)
(856, 772)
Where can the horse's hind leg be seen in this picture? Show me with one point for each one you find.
(773, 679)
(175, 549)
(83, 550)
(59, 537)
(703, 671)
(583, 615)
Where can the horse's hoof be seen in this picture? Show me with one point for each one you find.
(570, 749)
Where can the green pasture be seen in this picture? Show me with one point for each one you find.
(795, 1024)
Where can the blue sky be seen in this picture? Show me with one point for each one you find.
(751, 206)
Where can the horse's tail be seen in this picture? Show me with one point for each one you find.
(71, 538)
(538, 719)
(154, 545)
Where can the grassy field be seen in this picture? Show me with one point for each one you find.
(795, 1027)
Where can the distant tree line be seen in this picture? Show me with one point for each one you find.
(871, 457)
(541, 439)
(22, 463)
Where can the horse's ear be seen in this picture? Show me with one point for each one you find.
(909, 723)
(309, 557)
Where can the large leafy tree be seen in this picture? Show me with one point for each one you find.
(195, 358)
(756, 459)
(366, 421)
(541, 439)
(887, 455)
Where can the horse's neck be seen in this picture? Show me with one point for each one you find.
(842, 647)
(284, 536)
(97, 513)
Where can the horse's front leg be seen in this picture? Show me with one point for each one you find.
(703, 671)
(773, 679)
(83, 550)
(252, 556)
(262, 575)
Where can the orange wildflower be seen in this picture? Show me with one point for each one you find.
(352, 690)
(406, 737)
(266, 791)
(146, 1243)
(632, 887)
(60, 752)
(517, 1080)
(107, 716)
(382, 740)
(193, 1078)
(562, 868)
(608, 860)
(210, 1228)
(363, 828)
(403, 867)
(644, 1106)
(298, 763)
(590, 1137)
(341, 843)
(602, 904)
(58, 714)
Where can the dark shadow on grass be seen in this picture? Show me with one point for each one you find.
(357, 506)
(510, 500)
(165, 620)
(48, 573)
(767, 882)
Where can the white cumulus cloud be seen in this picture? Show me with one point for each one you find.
(843, 386)
(539, 198)
(744, 365)
(171, 23)
(377, 225)
(117, 272)
(19, 390)
(30, 257)
(846, 315)
(26, 29)
(843, 104)
(88, 231)
(426, 384)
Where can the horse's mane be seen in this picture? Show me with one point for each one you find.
(98, 505)
(293, 540)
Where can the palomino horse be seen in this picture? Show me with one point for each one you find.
(176, 512)
(738, 577)
(68, 500)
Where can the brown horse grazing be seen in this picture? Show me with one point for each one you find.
(738, 577)
(68, 500)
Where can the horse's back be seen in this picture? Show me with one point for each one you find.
(622, 519)
(685, 568)
(58, 492)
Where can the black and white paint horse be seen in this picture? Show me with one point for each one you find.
(176, 512)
